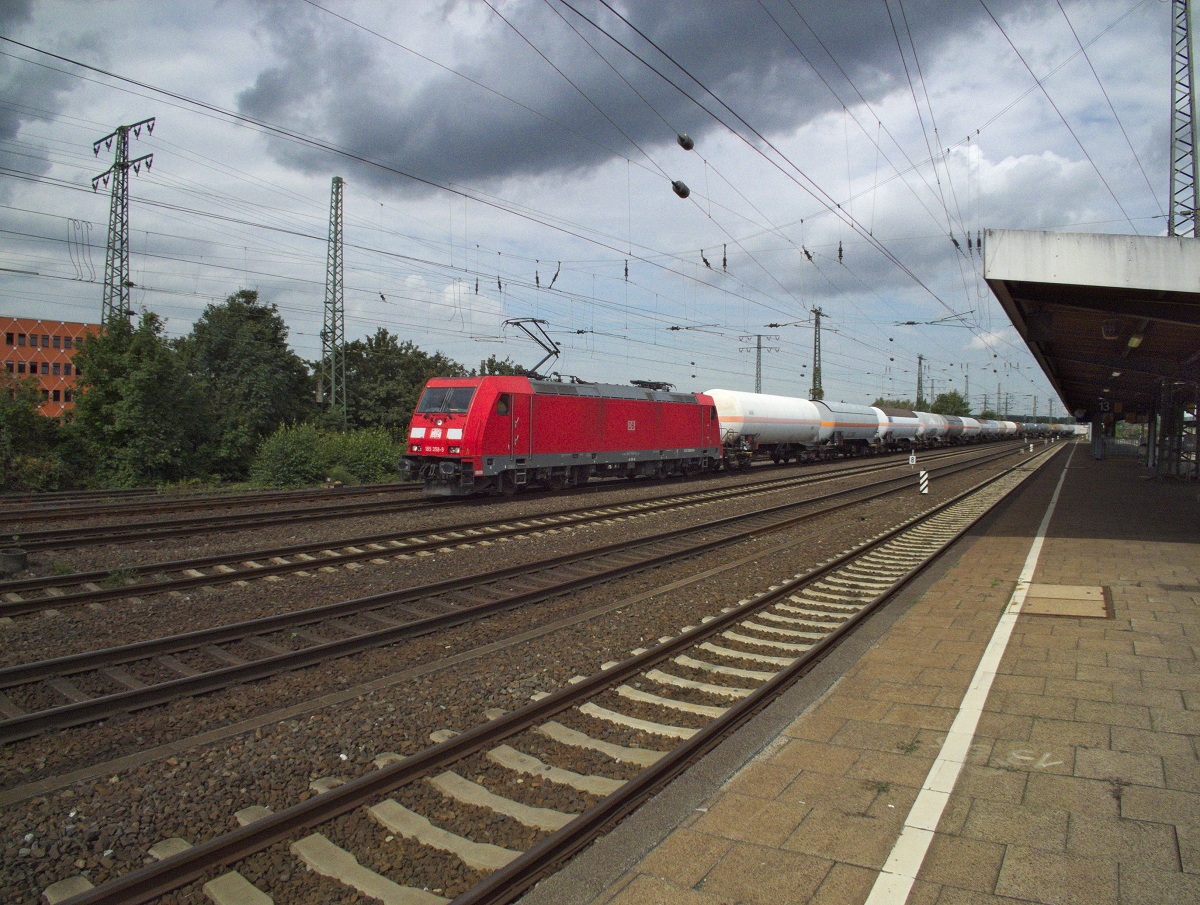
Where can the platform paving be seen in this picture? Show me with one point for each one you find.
(1080, 784)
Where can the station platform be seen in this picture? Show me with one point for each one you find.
(983, 743)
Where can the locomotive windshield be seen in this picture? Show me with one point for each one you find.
(453, 400)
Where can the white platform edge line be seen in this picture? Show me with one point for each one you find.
(895, 880)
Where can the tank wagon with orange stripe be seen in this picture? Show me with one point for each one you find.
(787, 428)
(783, 428)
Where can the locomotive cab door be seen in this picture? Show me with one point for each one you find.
(498, 430)
(522, 427)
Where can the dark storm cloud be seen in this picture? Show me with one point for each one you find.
(15, 12)
(332, 81)
(33, 92)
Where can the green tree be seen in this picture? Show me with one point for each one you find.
(906, 404)
(252, 381)
(27, 439)
(951, 403)
(504, 366)
(136, 409)
(384, 377)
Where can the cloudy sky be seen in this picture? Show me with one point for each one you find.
(515, 158)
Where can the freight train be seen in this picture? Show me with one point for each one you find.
(473, 435)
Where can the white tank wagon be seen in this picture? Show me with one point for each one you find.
(904, 427)
(783, 427)
(954, 428)
(932, 428)
(852, 428)
(988, 429)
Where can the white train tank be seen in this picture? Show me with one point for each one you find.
(766, 420)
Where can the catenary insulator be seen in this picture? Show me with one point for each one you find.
(680, 189)
(685, 141)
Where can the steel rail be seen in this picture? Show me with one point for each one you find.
(510, 881)
(150, 882)
(65, 538)
(95, 535)
(34, 509)
(578, 516)
(727, 529)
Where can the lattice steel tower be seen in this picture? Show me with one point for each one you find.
(116, 261)
(333, 334)
(1182, 219)
(817, 391)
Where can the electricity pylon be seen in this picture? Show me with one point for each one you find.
(116, 261)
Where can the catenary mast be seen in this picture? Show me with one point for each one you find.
(333, 334)
(1182, 218)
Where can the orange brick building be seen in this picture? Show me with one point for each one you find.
(44, 349)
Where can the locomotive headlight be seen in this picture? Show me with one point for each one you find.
(454, 450)
(414, 447)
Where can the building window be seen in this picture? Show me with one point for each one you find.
(68, 396)
(78, 371)
(56, 396)
(45, 341)
(20, 367)
(8, 339)
(8, 366)
(45, 367)
(67, 342)
(20, 339)
(57, 342)
(67, 370)
(56, 369)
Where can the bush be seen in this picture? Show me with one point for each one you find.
(37, 473)
(293, 456)
(304, 455)
(368, 456)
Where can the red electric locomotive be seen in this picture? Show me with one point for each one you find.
(477, 434)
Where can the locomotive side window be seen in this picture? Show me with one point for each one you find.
(503, 404)
(454, 400)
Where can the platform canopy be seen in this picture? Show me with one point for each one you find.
(1114, 321)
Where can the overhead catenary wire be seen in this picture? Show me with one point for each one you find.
(438, 263)
(1040, 83)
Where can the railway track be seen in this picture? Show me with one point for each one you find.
(81, 688)
(37, 507)
(129, 531)
(26, 596)
(706, 681)
(79, 536)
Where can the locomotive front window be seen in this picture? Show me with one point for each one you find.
(453, 400)
(503, 404)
